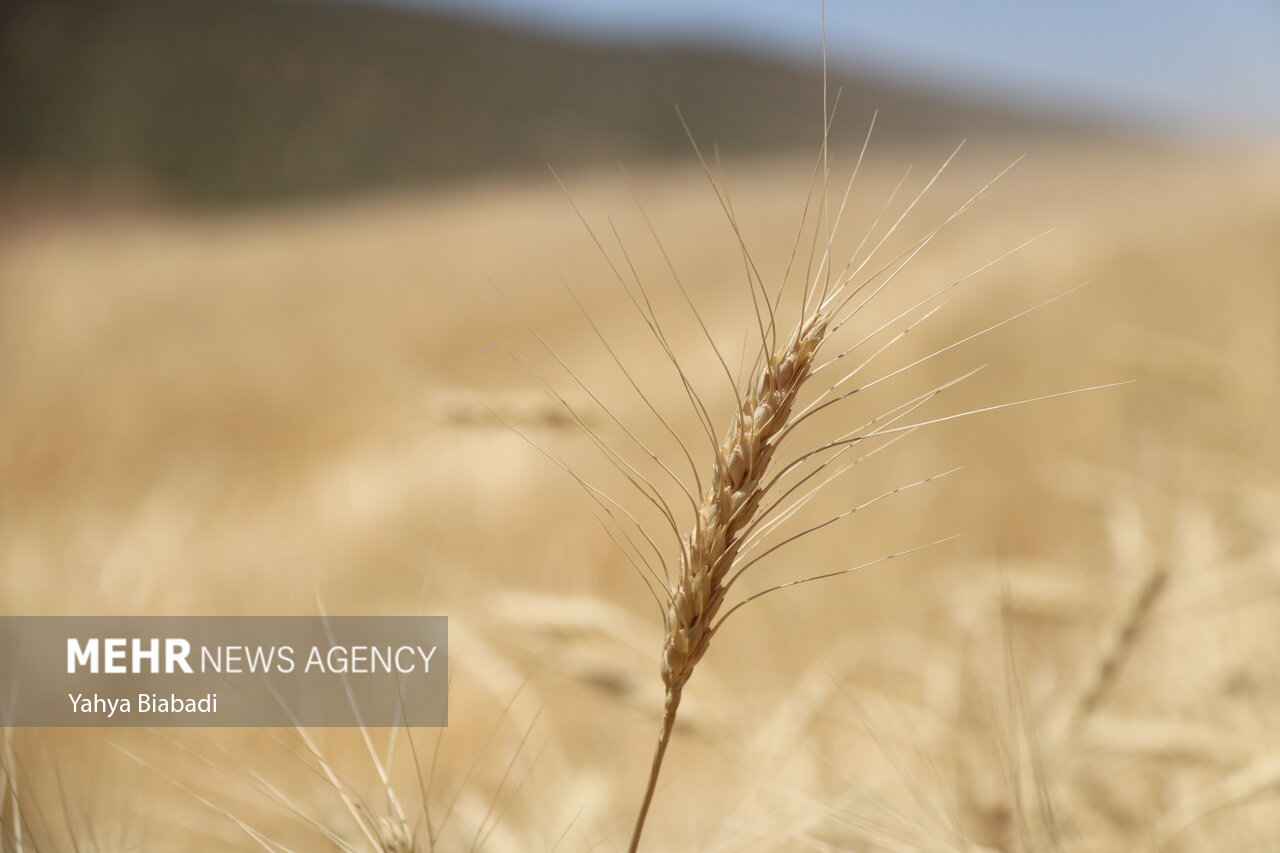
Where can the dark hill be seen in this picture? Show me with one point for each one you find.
(245, 100)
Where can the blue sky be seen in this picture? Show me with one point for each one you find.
(1200, 65)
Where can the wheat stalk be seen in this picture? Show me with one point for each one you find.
(749, 495)
(729, 506)
(737, 509)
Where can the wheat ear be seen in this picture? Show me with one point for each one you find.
(729, 504)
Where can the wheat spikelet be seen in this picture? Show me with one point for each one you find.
(1122, 635)
(1101, 671)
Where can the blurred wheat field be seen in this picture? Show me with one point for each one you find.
(278, 411)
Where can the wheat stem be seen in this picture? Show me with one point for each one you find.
(659, 752)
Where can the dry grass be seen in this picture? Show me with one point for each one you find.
(241, 415)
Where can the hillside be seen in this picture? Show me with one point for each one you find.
(216, 101)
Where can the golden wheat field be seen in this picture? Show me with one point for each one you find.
(340, 408)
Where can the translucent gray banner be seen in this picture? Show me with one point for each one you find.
(224, 670)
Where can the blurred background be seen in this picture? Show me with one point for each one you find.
(247, 101)
(263, 264)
